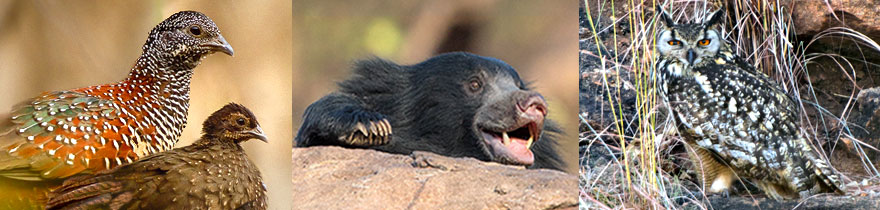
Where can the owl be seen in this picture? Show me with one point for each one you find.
(738, 121)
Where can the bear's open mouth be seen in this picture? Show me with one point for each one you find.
(511, 146)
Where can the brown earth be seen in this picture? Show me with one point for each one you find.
(864, 126)
(340, 178)
(816, 202)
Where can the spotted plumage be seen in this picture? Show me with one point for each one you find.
(738, 121)
(86, 130)
(212, 173)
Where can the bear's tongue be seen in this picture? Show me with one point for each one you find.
(511, 148)
(519, 148)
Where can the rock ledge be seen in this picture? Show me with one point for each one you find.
(340, 178)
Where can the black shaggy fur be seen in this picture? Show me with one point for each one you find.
(431, 106)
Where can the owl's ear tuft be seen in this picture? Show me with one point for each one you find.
(665, 16)
(714, 18)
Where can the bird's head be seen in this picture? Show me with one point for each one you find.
(185, 38)
(233, 122)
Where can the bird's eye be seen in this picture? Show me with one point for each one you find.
(674, 42)
(241, 121)
(704, 42)
(195, 30)
(475, 85)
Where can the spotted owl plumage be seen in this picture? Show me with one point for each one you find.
(738, 121)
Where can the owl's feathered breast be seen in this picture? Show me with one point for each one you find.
(737, 113)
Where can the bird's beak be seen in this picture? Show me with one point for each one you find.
(258, 134)
(221, 45)
(691, 56)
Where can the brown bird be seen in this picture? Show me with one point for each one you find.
(86, 130)
(212, 173)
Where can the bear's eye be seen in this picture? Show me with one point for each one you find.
(475, 85)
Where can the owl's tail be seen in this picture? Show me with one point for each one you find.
(828, 180)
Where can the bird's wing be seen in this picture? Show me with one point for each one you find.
(122, 186)
(59, 134)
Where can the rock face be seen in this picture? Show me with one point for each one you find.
(867, 117)
(340, 178)
(811, 17)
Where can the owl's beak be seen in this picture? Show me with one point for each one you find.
(691, 56)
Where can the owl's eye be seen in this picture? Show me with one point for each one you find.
(704, 42)
(673, 42)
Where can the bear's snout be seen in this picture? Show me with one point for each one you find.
(533, 105)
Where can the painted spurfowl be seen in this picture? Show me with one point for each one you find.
(212, 173)
(87, 130)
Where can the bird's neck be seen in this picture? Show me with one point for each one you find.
(165, 78)
(218, 141)
(153, 89)
(671, 69)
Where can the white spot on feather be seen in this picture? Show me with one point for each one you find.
(753, 116)
(675, 69)
(703, 81)
(731, 105)
(740, 155)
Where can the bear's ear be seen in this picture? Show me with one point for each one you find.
(714, 18)
(665, 16)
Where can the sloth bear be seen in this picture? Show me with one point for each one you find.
(454, 104)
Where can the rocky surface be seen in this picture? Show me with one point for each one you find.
(866, 119)
(340, 178)
(830, 79)
(811, 17)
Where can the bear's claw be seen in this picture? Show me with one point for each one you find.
(371, 134)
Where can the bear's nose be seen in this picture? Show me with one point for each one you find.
(534, 105)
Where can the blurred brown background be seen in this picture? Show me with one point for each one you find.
(57, 45)
(538, 38)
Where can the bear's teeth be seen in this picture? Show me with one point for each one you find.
(529, 143)
(506, 139)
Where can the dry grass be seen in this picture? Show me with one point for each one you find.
(763, 33)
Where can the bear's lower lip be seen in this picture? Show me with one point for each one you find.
(512, 146)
